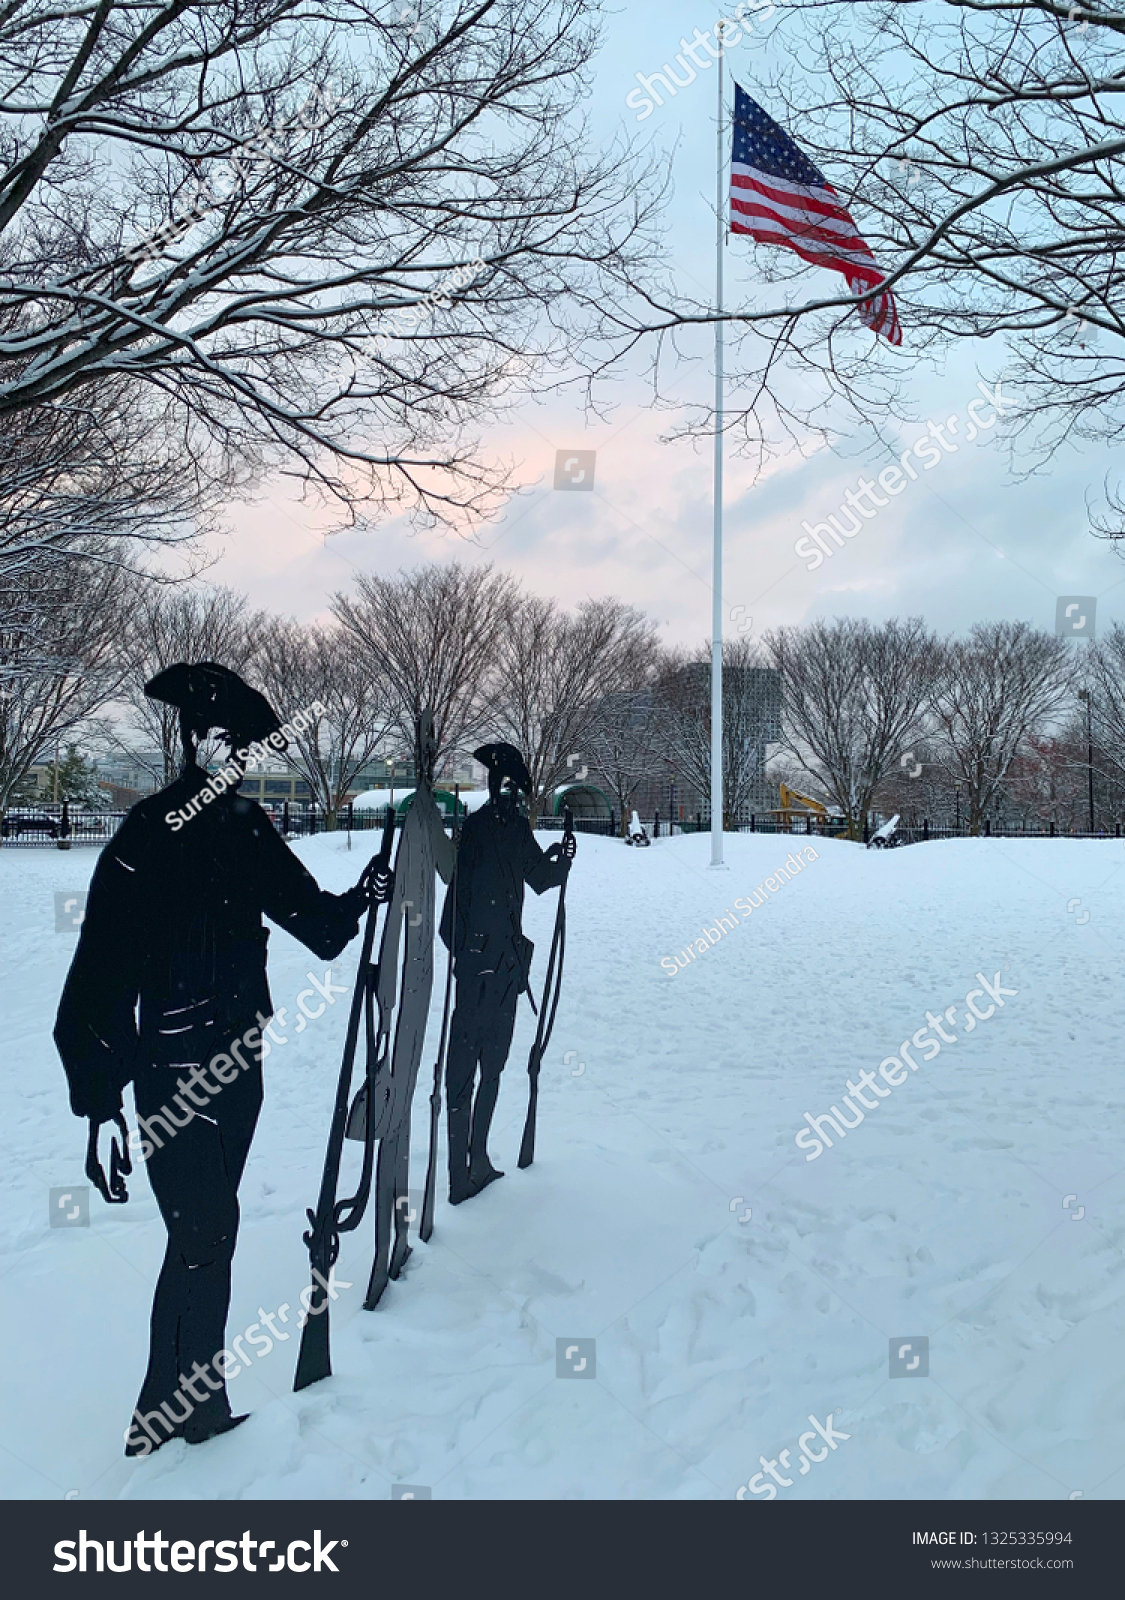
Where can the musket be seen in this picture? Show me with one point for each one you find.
(332, 1217)
(550, 1004)
(426, 1227)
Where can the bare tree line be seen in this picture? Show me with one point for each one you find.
(231, 243)
(891, 717)
(489, 660)
(866, 716)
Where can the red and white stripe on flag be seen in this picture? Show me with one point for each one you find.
(779, 197)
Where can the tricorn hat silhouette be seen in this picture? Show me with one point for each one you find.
(505, 760)
(212, 696)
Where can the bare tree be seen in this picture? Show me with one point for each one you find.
(750, 722)
(552, 668)
(298, 668)
(918, 788)
(985, 147)
(310, 228)
(1105, 678)
(853, 697)
(1047, 781)
(1005, 682)
(431, 638)
(103, 476)
(170, 625)
(624, 744)
(979, 146)
(73, 613)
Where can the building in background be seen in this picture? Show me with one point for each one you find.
(129, 776)
(659, 741)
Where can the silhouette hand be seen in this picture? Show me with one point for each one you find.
(112, 1191)
(377, 883)
(381, 886)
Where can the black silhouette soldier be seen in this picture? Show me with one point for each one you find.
(174, 922)
(491, 957)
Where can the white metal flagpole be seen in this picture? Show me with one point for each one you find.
(717, 557)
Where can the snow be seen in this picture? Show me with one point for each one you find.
(380, 799)
(733, 1288)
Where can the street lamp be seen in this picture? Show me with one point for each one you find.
(1084, 694)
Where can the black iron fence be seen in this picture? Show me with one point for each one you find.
(905, 833)
(61, 827)
(806, 825)
(920, 832)
(51, 824)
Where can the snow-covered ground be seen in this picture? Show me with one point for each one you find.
(734, 1288)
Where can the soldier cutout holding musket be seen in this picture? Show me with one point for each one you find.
(174, 926)
(496, 857)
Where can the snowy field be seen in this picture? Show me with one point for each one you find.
(733, 1287)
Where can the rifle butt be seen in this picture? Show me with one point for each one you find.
(527, 1144)
(426, 1226)
(314, 1359)
(376, 1286)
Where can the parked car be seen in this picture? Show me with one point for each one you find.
(31, 822)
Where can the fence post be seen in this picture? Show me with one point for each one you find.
(656, 824)
(699, 822)
(925, 827)
(753, 822)
(350, 814)
(988, 827)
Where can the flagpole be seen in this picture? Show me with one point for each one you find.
(717, 554)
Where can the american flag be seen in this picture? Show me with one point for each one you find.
(778, 197)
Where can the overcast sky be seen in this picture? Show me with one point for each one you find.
(962, 542)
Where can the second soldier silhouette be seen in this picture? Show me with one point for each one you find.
(497, 856)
